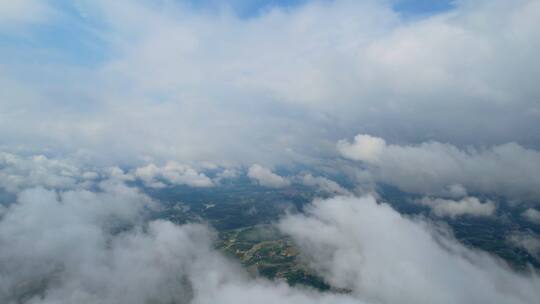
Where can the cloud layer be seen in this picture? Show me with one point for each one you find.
(177, 83)
(442, 169)
(381, 256)
(96, 247)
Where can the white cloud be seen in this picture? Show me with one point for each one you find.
(171, 173)
(95, 247)
(282, 86)
(323, 184)
(532, 215)
(384, 257)
(471, 206)
(228, 173)
(20, 172)
(84, 247)
(265, 177)
(116, 173)
(365, 148)
(529, 242)
(438, 168)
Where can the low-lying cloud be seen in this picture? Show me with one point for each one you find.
(18, 172)
(528, 241)
(440, 169)
(470, 206)
(323, 184)
(532, 215)
(96, 247)
(384, 257)
(265, 177)
(172, 173)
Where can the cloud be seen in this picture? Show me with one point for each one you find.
(57, 239)
(384, 257)
(97, 247)
(365, 148)
(438, 168)
(227, 173)
(529, 242)
(85, 247)
(19, 172)
(532, 215)
(470, 206)
(265, 177)
(323, 184)
(282, 86)
(171, 173)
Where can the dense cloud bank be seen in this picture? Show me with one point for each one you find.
(179, 84)
(85, 247)
(443, 169)
(384, 257)
(95, 247)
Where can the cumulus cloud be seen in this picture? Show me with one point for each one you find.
(384, 257)
(323, 184)
(365, 148)
(532, 215)
(265, 177)
(19, 172)
(471, 206)
(171, 173)
(437, 168)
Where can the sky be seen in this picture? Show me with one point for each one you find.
(438, 99)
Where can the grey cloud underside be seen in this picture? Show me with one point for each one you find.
(282, 86)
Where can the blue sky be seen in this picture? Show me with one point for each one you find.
(253, 7)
